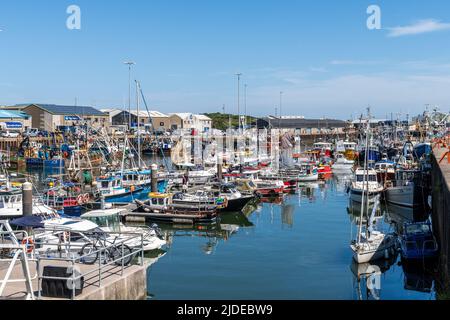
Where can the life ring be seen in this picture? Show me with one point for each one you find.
(29, 244)
(225, 202)
(80, 199)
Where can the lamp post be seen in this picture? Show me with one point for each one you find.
(238, 99)
(281, 106)
(245, 104)
(129, 63)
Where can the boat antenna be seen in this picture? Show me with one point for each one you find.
(153, 127)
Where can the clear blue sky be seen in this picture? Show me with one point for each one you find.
(320, 53)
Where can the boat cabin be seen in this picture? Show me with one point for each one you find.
(109, 185)
(109, 219)
(360, 175)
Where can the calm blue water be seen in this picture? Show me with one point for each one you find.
(295, 250)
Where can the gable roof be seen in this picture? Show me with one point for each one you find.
(69, 110)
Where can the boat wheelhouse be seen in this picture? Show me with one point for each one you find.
(112, 190)
(365, 185)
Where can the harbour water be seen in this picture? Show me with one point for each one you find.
(294, 247)
(298, 249)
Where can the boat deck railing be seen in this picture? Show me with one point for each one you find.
(100, 267)
(11, 252)
(18, 246)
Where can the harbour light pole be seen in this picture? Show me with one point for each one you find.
(238, 98)
(281, 106)
(245, 104)
(129, 63)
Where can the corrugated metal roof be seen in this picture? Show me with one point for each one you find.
(301, 123)
(70, 110)
(8, 114)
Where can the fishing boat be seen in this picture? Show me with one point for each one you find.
(110, 188)
(161, 207)
(309, 172)
(406, 190)
(417, 242)
(385, 170)
(324, 170)
(269, 188)
(366, 185)
(235, 200)
(342, 164)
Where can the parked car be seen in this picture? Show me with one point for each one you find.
(33, 132)
(10, 134)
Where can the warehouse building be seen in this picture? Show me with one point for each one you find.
(304, 126)
(50, 117)
(120, 117)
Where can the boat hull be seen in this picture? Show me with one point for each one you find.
(237, 204)
(405, 196)
(382, 251)
(356, 196)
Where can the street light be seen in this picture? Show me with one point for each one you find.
(281, 106)
(245, 104)
(238, 99)
(129, 63)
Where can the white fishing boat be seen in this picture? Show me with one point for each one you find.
(365, 186)
(342, 164)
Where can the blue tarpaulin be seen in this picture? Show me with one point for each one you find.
(28, 222)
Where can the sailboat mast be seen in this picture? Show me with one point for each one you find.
(365, 178)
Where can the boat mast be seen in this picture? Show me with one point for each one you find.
(138, 126)
(365, 177)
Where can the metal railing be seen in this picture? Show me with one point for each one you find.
(103, 256)
(11, 251)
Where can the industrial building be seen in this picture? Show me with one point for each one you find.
(304, 126)
(49, 117)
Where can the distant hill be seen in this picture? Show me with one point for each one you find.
(221, 120)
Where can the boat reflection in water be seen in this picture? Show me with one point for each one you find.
(354, 211)
(367, 277)
(343, 182)
(287, 215)
(229, 224)
(418, 277)
(399, 215)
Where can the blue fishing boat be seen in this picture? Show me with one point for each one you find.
(112, 190)
(417, 242)
(141, 178)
